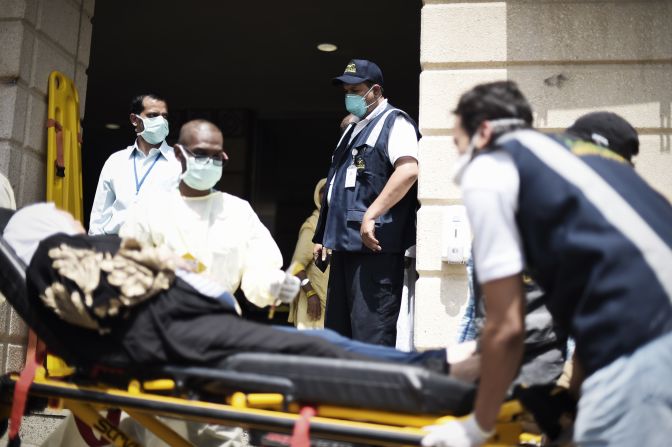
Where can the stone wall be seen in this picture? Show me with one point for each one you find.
(36, 37)
(569, 58)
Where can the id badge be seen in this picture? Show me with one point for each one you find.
(351, 176)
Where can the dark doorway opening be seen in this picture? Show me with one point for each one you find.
(253, 68)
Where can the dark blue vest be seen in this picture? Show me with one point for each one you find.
(602, 282)
(341, 217)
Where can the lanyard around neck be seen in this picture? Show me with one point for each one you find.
(138, 184)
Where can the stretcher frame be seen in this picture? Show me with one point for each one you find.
(144, 401)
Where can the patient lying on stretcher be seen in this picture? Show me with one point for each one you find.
(119, 303)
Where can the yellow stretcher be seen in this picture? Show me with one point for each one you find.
(324, 401)
(64, 153)
(268, 412)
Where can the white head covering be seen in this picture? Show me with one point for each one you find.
(31, 224)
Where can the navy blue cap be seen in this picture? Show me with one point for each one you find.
(608, 130)
(358, 71)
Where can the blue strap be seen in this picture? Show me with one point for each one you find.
(138, 185)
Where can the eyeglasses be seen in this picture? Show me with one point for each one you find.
(219, 159)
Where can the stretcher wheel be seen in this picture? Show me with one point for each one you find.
(16, 442)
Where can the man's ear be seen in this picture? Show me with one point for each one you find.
(178, 152)
(180, 156)
(484, 135)
(136, 122)
(377, 91)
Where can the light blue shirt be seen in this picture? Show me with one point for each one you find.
(117, 184)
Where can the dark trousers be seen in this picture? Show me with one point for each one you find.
(364, 296)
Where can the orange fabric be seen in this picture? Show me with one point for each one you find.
(34, 357)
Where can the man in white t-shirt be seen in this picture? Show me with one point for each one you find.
(218, 232)
(596, 238)
(367, 218)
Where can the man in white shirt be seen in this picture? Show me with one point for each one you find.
(218, 232)
(368, 215)
(142, 169)
(596, 238)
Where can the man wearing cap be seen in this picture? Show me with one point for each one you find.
(367, 217)
(145, 167)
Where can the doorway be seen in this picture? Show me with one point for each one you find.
(254, 69)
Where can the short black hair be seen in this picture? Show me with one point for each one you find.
(136, 102)
(491, 101)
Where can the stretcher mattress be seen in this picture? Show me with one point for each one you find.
(371, 385)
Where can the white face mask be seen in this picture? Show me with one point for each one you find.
(155, 129)
(498, 126)
(202, 174)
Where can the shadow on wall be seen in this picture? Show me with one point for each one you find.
(454, 288)
(572, 58)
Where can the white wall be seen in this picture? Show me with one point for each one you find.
(569, 58)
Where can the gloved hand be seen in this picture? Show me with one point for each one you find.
(286, 287)
(459, 433)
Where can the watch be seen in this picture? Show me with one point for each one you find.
(305, 282)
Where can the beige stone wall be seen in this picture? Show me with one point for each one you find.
(569, 58)
(36, 37)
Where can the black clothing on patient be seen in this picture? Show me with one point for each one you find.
(179, 326)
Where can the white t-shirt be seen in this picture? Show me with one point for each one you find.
(490, 186)
(220, 231)
(402, 142)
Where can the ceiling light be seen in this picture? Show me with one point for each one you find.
(327, 47)
(112, 126)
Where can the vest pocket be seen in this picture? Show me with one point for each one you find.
(354, 215)
(357, 216)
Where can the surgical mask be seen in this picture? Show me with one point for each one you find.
(202, 173)
(498, 126)
(155, 129)
(356, 104)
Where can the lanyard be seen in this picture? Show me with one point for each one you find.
(138, 185)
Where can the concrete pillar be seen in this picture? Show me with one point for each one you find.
(569, 58)
(36, 37)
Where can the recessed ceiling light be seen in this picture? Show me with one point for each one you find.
(327, 47)
(112, 126)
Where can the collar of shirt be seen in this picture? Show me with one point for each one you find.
(361, 124)
(164, 149)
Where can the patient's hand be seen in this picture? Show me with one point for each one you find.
(468, 370)
(190, 265)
